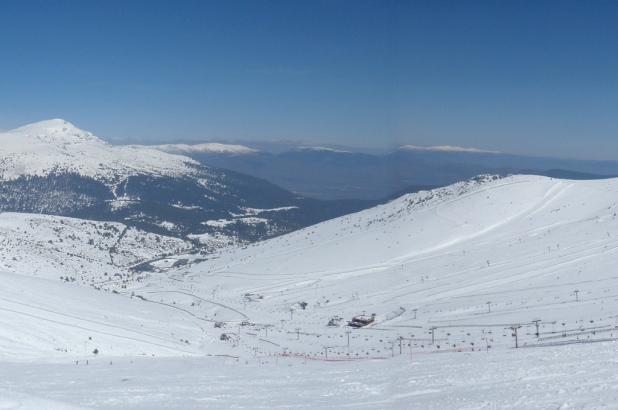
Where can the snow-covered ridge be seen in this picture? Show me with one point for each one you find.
(322, 149)
(209, 147)
(58, 146)
(411, 217)
(447, 148)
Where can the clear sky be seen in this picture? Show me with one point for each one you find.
(534, 77)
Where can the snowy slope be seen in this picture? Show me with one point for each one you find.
(56, 146)
(533, 247)
(45, 319)
(446, 271)
(525, 244)
(77, 250)
(573, 377)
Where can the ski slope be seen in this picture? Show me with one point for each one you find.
(45, 319)
(450, 269)
(571, 377)
(58, 296)
(452, 275)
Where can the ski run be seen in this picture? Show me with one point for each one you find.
(491, 293)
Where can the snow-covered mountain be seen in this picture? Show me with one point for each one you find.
(464, 270)
(57, 146)
(469, 260)
(53, 167)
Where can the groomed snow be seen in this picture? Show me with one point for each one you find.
(46, 319)
(573, 377)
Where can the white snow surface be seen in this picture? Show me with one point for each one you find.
(57, 145)
(258, 211)
(77, 250)
(45, 319)
(471, 260)
(451, 275)
(571, 377)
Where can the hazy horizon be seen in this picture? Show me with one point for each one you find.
(282, 145)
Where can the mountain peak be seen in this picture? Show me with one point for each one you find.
(54, 124)
(56, 130)
(58, 146)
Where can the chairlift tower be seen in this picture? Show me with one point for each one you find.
(432, 330)
(514, 329)
(536, 323)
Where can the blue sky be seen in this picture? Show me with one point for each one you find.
(533, 77)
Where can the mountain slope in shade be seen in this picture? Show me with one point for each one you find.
(341, 173)
(52, 167)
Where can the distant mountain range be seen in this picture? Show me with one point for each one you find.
(217, 194)
(52, 167)
(341, 173)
